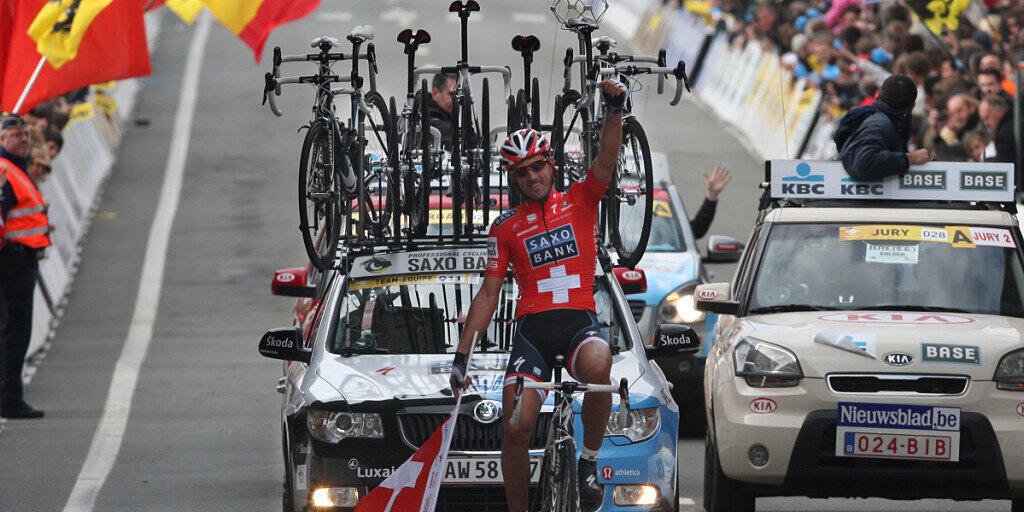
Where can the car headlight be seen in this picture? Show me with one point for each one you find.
(766, 365)
(680, 307)
(332, 427)
(639, 424)
(1010, 372)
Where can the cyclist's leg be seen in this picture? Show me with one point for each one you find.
(526, 361)
(590, 361)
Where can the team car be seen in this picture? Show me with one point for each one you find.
(870, 343)
(366, 382)
(674, 267)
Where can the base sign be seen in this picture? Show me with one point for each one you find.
(934, 181)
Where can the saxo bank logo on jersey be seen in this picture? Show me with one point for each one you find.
(804, 183)
(552, 246)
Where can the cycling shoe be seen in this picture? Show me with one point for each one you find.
(591, 493)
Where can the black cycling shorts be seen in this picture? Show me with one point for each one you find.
(539, 337)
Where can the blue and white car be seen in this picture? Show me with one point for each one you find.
(674, 267)
(367, 382)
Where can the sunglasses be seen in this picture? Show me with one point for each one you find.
(521, 171)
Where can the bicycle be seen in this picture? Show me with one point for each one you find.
(559, 486)
(627, 208)
(338, 163)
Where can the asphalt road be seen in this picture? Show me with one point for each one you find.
(203, 425)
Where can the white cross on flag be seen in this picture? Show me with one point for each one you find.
(414, 485)
(558, 284)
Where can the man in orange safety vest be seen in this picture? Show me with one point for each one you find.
(27, 230)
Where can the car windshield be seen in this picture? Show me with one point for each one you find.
(424, 313)
(968, 269)
(666, 235)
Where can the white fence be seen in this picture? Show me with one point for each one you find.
(73, 192)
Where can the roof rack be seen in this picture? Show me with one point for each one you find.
(935, 184)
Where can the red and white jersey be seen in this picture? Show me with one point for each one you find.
(551, 247)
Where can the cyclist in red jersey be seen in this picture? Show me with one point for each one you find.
(549, 242)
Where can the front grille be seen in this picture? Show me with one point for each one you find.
(637, 308)
(490, 498)
(470, 435)
(899, 384)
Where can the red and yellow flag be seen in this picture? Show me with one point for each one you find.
(113, 48)
(252, 20)
(59, 27)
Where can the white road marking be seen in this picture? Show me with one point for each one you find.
(334, 16)
(401, 17)
(106, 442)
(527, 17)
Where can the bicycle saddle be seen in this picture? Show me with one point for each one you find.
(464, 7)
(525, 45)
(324, 40)
(361, 33)
(604, 43)
(583, 24)
(408, 38)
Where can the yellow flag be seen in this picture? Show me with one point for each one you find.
(187, 10)
(60, 25)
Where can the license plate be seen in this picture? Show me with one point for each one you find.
(482, 470)
(895, 431)
(900, 446)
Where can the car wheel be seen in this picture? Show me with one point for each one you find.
(721, 493)
(288, 495)
(1017, 505)
(674, 507)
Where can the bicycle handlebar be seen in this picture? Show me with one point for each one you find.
(678, 72)
(506, 73)
(570, 387)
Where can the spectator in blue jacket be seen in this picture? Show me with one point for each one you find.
(872, 140)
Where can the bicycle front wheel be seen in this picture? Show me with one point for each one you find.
(378, 140)
(319, 195)
(568, 140)
(631, 195)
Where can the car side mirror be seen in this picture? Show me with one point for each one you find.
(673, 339)
(723, 249)
(715, 298)
(291, 282)
(631, 280)
(284, 343)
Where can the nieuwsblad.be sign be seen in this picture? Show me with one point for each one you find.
(934, 181)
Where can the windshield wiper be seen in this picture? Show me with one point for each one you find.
(907, 307)
(351, 351)
(785, 308)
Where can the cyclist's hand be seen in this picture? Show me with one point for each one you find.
(459, 381)
(614, 94)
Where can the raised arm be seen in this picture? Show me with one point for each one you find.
(611, 135)
(480, 312)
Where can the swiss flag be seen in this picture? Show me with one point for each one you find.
(114, 47)
(414, 485)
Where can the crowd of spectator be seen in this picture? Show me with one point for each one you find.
(846, 48)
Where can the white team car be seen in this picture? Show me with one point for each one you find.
(871, 348)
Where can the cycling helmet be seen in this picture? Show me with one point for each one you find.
(521, 145)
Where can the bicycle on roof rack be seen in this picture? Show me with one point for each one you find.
(559, 488)
(344, 170)
(466, 177)
(627, 209)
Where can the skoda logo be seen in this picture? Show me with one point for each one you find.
(897, 359)
(487, 411)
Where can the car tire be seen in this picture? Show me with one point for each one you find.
(288, 494)
(1017, 505)
(721, 493)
